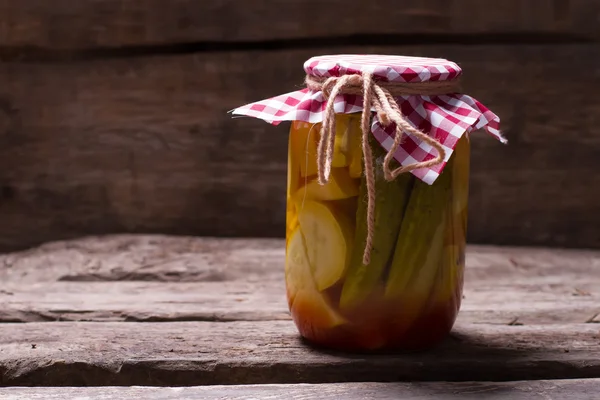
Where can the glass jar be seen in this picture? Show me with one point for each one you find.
(409, 295)
(380, 265)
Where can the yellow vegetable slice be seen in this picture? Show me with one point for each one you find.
(298, 275)
(340, 186)
(355, 143)
(303, 296)
(328, 238)
(311, 312)
(304, 139)
(291, 220)
(348, 147)
(347, 150)
(341, 149)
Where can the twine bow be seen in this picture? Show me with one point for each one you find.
(379, 96)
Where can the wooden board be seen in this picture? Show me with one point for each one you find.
(63, 24)
(163, 279)
(208, 311)
(241, 352)
(572, 389)
(146, 145)
(498, 303)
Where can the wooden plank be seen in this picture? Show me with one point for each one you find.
(230, 292)
(548, 302)
(162, 279)
(203, 353)
(572, 389)
(145, 145)
(62, 24)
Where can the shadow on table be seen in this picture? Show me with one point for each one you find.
(462, 357)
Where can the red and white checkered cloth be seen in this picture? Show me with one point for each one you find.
(445, 118)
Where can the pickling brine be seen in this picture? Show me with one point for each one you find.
(410, 293)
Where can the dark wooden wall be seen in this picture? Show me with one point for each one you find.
(113, 112)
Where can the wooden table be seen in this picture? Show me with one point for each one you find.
(207, 318)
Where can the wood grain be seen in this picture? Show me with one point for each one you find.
(547, 301)
(205, 311)
(209, 353)
(166, 279)
(572, 389)
(62, 24)
(145, 145)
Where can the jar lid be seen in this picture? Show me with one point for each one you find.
(444, 118)
(383, 67)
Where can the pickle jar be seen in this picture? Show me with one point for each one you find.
(377, 196)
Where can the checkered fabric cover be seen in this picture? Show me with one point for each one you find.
(446, 118)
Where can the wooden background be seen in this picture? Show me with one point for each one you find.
(113, 112)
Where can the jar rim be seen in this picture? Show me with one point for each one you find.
(386, 68)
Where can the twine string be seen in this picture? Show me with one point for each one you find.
(381, 97)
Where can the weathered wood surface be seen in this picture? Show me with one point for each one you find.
(63, 24)
(573, 389)
(146, 145)
(156, 278)
(244, 352)
(528, 314)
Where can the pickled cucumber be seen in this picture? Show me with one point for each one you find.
(460, 189)
(391, 200)
(447, 278)
(454, 249)
(460, 183)
(424, 215)
(422, 280)
(421, 288)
